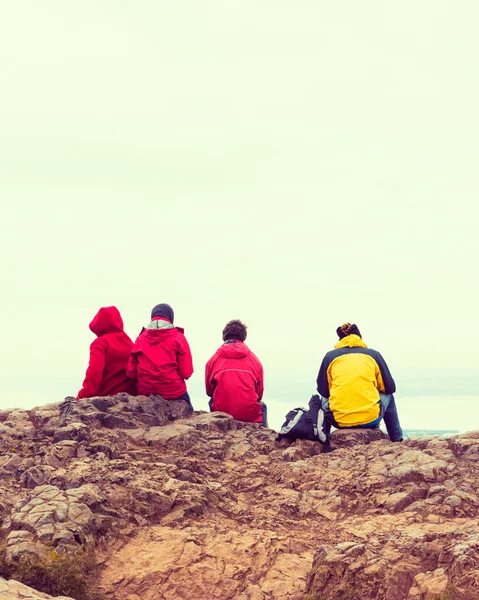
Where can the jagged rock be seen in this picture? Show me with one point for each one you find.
(89, 494)
(49, 515)
(428, 585)
(20, 543)
(342, 438)
(204, 506)
(114, 421)
(398, 501)
(13, 590)
(73, 431)
(16, 425)
(301, 449)
(185, 434)
(35, 476)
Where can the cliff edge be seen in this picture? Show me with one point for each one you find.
(172, 506)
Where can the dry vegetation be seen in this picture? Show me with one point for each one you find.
(74, 575)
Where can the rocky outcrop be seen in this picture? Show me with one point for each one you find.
(203, 506)
(51, 516)
(12, 590)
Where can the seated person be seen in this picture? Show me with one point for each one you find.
(356, 386)
(161, 358)
(109, 355)
(234, 378)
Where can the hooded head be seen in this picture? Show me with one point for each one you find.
(107, 320)
(348, 329)
(234, 330)
(163, 311)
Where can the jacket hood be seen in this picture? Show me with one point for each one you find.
(157, 336)
(234, 350)
(160, 323)
(351, 341)
(107, 320)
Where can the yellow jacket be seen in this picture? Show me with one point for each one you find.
(351, 376)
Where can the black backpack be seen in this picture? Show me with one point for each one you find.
(305, 424)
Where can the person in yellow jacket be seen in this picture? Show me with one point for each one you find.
(356, 386)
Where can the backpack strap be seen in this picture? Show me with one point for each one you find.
(318, 427)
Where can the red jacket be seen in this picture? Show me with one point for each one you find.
(160, 362)
(234, 379)
(109, 354)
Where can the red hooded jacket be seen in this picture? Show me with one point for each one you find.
(109, 354)
(161, 361)
(234, 379)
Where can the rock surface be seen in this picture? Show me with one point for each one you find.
(206, 507)
(12, 590)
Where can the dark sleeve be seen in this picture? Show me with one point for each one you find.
(388, 381)
(322, 380)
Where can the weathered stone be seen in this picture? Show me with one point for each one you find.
(428, 585)
(62, 452)
(20, 543)
(73, 431)
(301, 449)
(45, 532)
(454, 501)
(63, 536)
(114, 421)
(106, 447)
(11, 464)
(15, 536)
(50, 513)
(89, 494)
(400, 500)
(13, 590)
(207, 506)
(104, 403)
(343, 438)
(35, 476)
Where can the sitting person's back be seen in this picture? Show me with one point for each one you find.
(161, 358)
(234, 377)
(356, 385)
(109, 355)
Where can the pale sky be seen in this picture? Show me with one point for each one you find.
(293, 164)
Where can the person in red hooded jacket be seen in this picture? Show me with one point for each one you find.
(161, 358)
(109, 355)
(234, 378)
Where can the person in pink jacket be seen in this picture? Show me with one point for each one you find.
(234, 378)
(161, 359)
(109, 355)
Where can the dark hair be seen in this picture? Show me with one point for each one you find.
(347, 329)
(234, 330)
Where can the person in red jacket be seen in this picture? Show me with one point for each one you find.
(109, 355)
(161, 358)
(234, 378)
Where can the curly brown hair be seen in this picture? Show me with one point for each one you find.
(234, 330)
